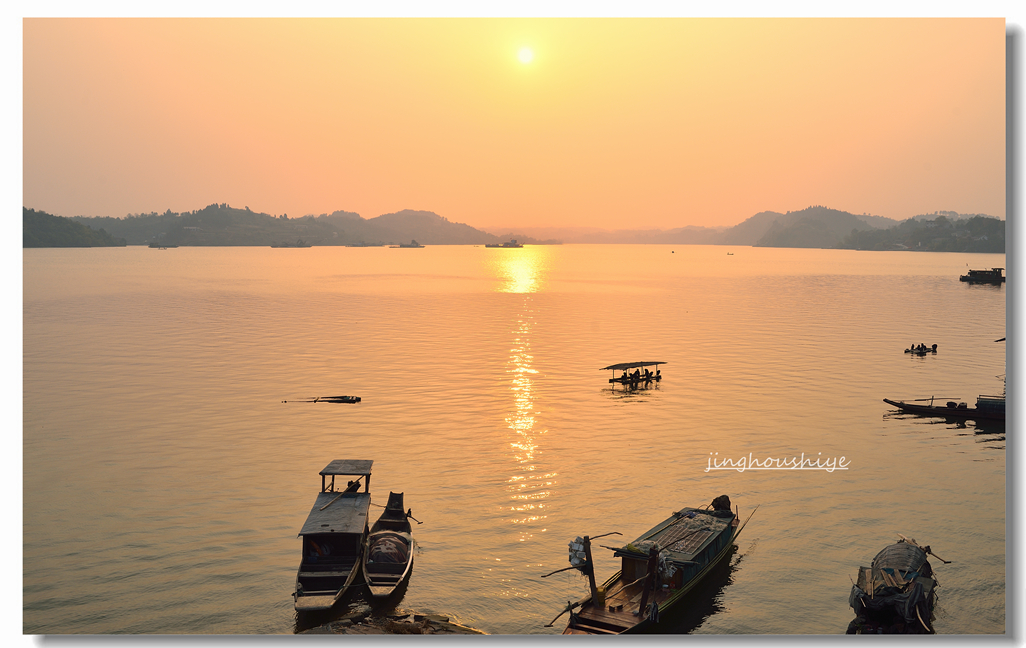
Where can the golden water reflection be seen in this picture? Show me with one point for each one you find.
(529, 485)
(520, 270)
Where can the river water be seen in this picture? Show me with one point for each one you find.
(165, 480)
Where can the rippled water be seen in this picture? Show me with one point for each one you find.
(165, 480)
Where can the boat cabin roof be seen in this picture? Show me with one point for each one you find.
(342, 513)
(681, 537)
(630, 365)
(348, 467)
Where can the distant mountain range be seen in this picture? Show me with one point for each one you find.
(223, 225)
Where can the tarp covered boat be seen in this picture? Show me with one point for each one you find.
(896, 593)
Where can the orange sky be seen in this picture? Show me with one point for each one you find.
(614, 123)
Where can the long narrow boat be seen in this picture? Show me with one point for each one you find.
(896, 594)
(390, 548)
(334, 536)
(657, 570)
(989, 408)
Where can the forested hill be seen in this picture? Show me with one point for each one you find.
(40, 229)
(223, 225)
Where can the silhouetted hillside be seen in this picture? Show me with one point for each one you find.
(814, 227)
(40, 229)
(971, 234)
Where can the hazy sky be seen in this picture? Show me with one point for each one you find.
(610, 122)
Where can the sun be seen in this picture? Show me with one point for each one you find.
(525, 55)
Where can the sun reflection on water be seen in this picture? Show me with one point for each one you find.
(521, 270)
(529, 485)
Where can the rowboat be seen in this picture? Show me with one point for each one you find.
(334, 536)
(638, 377)
(657, 570)
(896, 594)
(388, 561)
(990, 408)
(329, 399)
(992, 276)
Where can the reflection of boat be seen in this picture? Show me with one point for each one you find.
(333, 536)
(921, 350)
(992, 276)
(896, 594)
(512, 243)
(657, 570)
(411, 244)
(987, 407)
(390, 546)
(638, 377)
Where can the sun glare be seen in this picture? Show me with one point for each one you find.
(525, 55)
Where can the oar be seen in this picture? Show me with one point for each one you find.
(569, 606)
(409, 513)
(560, 570)
(925, 549)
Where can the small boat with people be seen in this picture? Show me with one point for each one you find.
(896, 594)
(921, 349)
(657, 570)
(334, 536)
(632, 380)
(388, 562)
(512, 243)
(991, 408)
(992, 276)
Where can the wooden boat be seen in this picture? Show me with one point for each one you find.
(987, 407)
(921, 350)
(638, 377)
(330, 399)
(992, 276)
(896, 594)
(657, 570)
(334, 536)
(512, 243)
(388, 562)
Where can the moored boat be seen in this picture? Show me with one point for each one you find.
(388, 562)
(987, 408)
(334, 536)
(896, 594)
(657, 570)
(992, 276)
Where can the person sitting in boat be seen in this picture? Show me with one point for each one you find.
(625, 378)
(648, 374)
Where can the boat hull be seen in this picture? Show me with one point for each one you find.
(973, 413)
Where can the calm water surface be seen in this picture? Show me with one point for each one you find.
(165, 480)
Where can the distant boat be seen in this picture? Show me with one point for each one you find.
(990, 408)
(411, 244)
(921, 350)
(161, 246)
(657, 570)
(298, 244)
(388, 562)
(334, 536)
(992, 276)
(896, 593)
(512, 243)
(638, 377)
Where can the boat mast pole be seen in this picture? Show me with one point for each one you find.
(589, 569)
